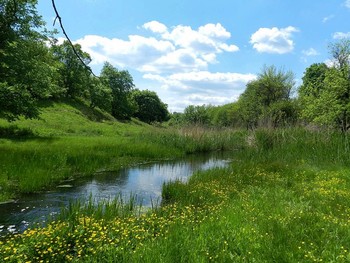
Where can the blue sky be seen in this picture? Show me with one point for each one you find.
(201, 52)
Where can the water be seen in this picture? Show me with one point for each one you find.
(145, 181)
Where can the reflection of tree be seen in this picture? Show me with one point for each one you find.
(119, 177)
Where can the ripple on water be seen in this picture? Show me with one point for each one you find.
(12, 229)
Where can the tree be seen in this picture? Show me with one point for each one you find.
(27, 71)
(75, 76)
(257, 103)
(121, 84)
(313, 80)
(100, 95)
(274, 85)
(196, 115)
(325, 94)
(266, 99)
(149, 106)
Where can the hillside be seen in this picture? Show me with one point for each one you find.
(69, 118)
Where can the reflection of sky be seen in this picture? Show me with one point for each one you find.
(145, 182)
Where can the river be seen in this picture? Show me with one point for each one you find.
(144, 181)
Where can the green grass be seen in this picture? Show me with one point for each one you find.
(72, 140)
(285, 198)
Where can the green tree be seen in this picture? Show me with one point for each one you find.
(176, 119)
(121, 84)
(250, 105)
(196, 115)
(74, 76)
(257, 103)
(227, 115)
(325, 96)
(100, 95)
(149, 106)
(27, 70)
(313, 80)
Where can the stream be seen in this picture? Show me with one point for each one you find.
(143, 181)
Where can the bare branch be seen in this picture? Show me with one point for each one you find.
(58, 17)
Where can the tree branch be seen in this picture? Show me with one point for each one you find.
(58, 17)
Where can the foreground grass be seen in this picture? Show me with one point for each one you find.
(286, 198)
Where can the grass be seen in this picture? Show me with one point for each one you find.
(72, 140)
(286, 198)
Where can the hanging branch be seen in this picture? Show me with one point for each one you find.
(58, 17)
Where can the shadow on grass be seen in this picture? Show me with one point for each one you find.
(13, 132)
(93, 114)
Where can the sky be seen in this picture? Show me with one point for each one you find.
(195, 52)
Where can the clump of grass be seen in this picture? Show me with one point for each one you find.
(197, 139)
(13, 132)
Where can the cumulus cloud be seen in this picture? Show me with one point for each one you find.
(134, 52)
(273, 40)
(341, 35)
(155, 27)
(202, 87)
(180, 49)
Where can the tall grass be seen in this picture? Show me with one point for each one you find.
(196, 139)
(36, 164)
(319, 148)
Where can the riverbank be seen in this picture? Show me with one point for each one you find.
(70, 142)
(284, 199)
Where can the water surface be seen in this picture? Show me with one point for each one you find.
(145, 181)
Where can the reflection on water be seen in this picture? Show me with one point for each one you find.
(145, 181)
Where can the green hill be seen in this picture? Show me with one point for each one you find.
(69, 118)
(70, 139)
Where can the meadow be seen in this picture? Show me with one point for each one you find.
(70, 142)
(284, 198)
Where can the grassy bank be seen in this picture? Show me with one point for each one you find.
(72, 140)
(284, 199)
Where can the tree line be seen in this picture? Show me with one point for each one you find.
(273, 100)
(34, 67)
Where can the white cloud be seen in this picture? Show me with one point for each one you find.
(180, 60)
(327, 18)
(330, 62)
(347, 3)
(133, 53)
(202, 87)
(155, 27)
(310, 52)
(216, 31)
(340, 35)
(273, 40)
(181, 49)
